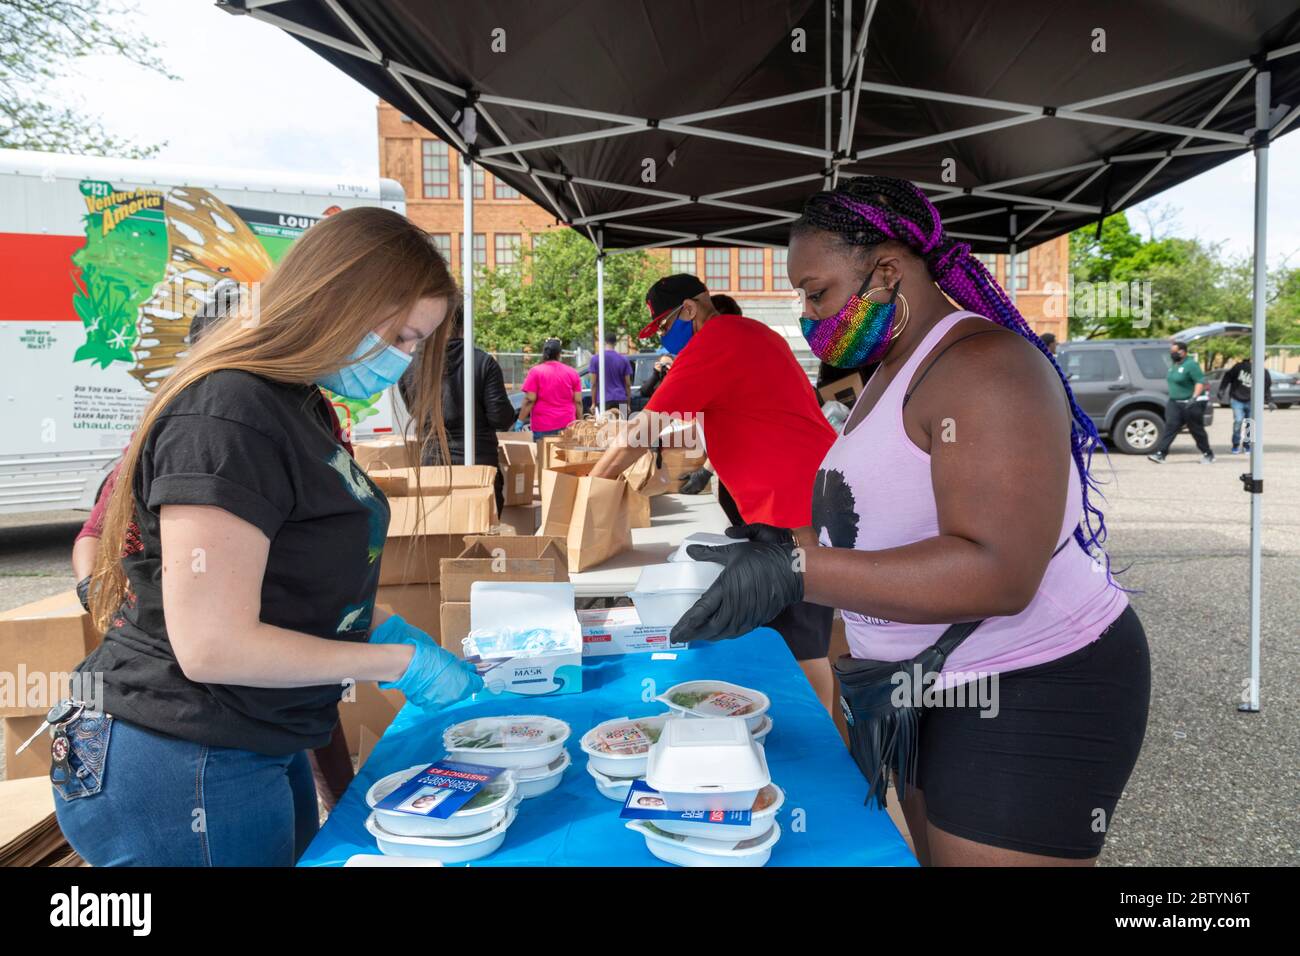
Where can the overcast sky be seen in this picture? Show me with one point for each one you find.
(249, 95)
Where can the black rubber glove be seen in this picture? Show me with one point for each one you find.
(758, 582)
(83, 592)
(767, 533)
(696, 481)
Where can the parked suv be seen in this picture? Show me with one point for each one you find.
(1120, 385)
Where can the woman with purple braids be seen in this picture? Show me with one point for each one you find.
(959, 491)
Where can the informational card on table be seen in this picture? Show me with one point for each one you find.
(440, 789)
(644, 803)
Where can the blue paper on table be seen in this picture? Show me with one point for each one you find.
(640, 797)
(439, 790)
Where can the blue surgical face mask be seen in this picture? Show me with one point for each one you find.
(366, 374)
(675, 339)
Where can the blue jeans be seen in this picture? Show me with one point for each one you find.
(138, 798)
(1240, 412)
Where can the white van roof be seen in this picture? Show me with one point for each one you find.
(153, 172)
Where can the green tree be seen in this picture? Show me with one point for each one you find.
(39, 41)
(551, 291)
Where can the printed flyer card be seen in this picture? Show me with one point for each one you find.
(440, 789)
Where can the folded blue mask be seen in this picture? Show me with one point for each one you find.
(675, 339)
(367, 375)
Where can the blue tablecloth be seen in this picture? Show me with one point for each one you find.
(823, 822)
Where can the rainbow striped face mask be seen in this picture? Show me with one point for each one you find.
(857, 334)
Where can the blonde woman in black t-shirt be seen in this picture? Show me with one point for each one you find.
(241, 547)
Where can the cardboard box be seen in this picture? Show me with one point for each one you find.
(846, 390)
(387, 453)
(593, 515)
(417, 604)
(492, 558)
(525, 435)
(369, 708)
(518, 464)
(618, 630)
(502, 604)
(423, 530)
(40, 645)
(431, 480)
(35, 760)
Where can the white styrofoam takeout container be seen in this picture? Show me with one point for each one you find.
(535, 781)
(697, 851)
(760, 821)
(615, 788)
(664, 592)
(614, 764)
(707, 765)
(512, 754)
(449, 849)
(700, 537)
(461, 823)
(754, 718)
(760, 732)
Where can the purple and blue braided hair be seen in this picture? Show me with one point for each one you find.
(871, 209)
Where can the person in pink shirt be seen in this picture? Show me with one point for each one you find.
(552, 393)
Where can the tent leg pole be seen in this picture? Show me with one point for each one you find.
(1011, 263)
(467, 281)
(600, 325)
(1250, 702)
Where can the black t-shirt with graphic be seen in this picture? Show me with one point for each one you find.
(267, 453)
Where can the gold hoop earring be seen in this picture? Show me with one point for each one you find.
(902, 300)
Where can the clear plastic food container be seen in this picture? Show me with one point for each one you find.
(664, 592)
(615, 788)
(696, 851)
(484, 810)
(762, 817)
(621, 747)
(700, 537)
(707, 765)
(513, 741)
(717, 698)
(446, 849)
(535, 781)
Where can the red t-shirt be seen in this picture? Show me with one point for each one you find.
(764, 428)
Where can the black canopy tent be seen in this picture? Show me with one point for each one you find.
(708, 122)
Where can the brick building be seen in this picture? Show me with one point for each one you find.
(504, 222)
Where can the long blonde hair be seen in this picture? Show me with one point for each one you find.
(341, 279)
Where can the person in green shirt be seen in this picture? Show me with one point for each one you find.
(1187, 399)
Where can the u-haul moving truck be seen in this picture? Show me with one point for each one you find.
(103, 263)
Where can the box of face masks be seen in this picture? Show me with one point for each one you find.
(618, 630)
(524, 638)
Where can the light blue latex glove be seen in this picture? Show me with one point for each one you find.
(435, 678)
(518, 426)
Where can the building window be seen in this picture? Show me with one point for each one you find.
(436, 164)
(1022, 270)
(751, 269)
(780, 270)
(502, 190)
(507, 249)
(684, 261)
(479, 191)
(480, 247)
(990, 262)
(717, 269)
(442, 242)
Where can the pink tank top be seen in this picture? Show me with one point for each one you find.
(851, 508)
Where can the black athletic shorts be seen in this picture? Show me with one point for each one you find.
(1043, 775)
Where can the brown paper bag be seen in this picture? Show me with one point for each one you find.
(593, 515)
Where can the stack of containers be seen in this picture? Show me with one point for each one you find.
(617, 751)
(711, 768)
(530, 749)
(718, 698)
